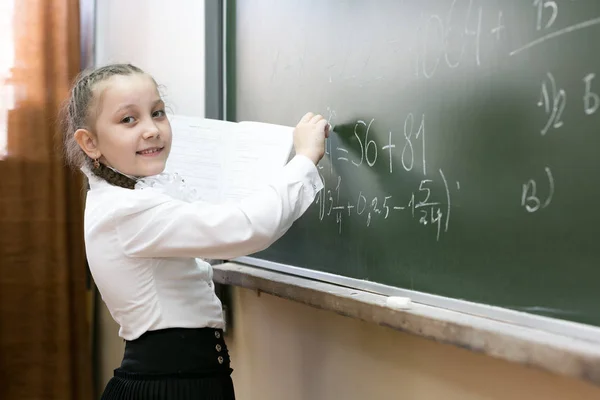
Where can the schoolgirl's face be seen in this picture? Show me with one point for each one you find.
(133, 133)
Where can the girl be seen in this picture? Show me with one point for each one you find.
(145, 232)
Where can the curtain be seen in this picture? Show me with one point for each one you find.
(45, 349)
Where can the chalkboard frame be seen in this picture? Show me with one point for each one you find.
(557, 326)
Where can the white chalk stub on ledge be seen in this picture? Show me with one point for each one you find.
(398, 303)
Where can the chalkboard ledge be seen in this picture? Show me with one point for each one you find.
(547, 351)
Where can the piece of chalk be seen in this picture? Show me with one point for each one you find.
(398, 303)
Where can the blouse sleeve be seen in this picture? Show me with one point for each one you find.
(165, 227)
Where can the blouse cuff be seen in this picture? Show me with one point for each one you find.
(302, 169)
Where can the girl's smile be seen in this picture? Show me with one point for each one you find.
(151, 152)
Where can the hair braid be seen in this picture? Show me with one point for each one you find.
(113, 177)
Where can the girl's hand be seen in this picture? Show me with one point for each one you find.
(309, 136)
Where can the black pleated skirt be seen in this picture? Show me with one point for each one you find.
(174, 364)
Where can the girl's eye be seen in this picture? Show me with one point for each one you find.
(158, 114)
(127, 120)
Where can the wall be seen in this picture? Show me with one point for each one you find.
(285, 350)
(166, 39)
(280, 349)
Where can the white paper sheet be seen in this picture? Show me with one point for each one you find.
(226, 161)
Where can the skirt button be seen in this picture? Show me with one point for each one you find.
(220, 359)
(217, 334)
(218, 347)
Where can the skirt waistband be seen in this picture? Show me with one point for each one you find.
(180, 352)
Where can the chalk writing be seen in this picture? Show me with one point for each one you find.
(429, 204)
(591, 100)
(553, 102)
(331, 116)
(561, 32)
(418, 204)
(390, 146)
(542, 5)
(408, 152)
(530, 198)
(497, 30)
(441, 38)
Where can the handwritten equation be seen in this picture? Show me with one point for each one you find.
(420, 204)
(437, 37)
(449, 40)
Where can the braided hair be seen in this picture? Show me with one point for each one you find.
(76, 114)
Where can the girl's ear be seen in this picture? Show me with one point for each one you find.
(87, 142)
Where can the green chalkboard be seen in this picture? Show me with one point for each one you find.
(465, 153)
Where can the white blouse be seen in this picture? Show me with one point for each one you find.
(144, 245)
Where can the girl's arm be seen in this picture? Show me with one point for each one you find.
(158, 226)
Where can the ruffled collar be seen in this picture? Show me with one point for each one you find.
(169, 183)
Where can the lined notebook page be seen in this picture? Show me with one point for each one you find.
(226, 161)
(197, 153)
(257, 153)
